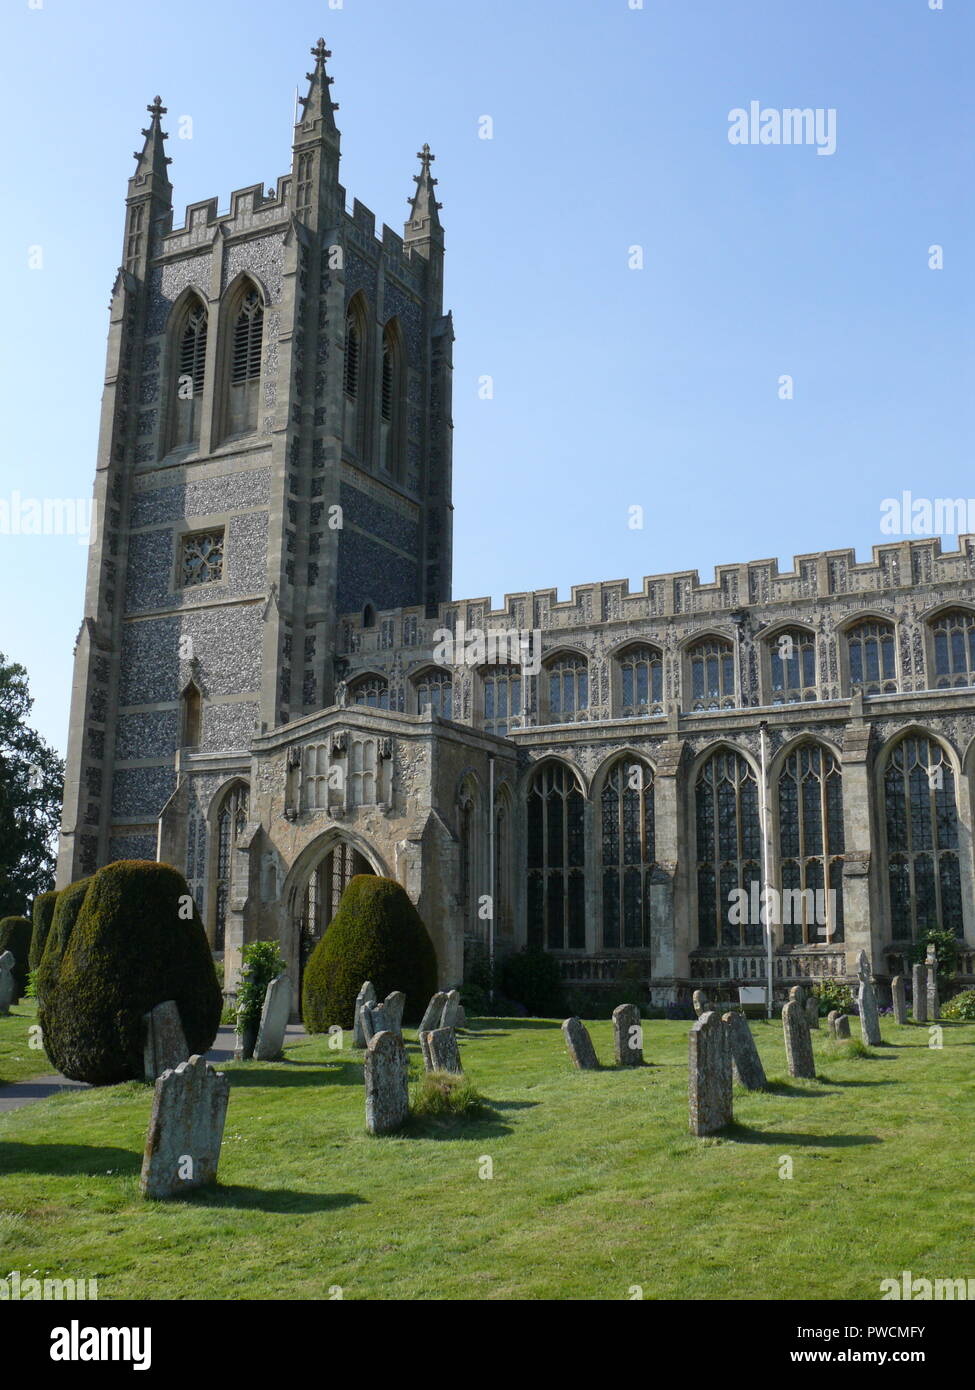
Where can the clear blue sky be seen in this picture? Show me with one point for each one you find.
(613, 387)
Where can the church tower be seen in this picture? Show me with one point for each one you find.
(275, 449)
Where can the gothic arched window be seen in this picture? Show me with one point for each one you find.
(190, 359)
(231, 820)
(503, 694)
(811, 846)
(568, 688)
(872, 658)
(712, 671)
(792, 660)
(391, 399)
(191, 716)
(954, 648)
(370, 690)
(434, 687)
(245, 362)
(627, 854)
(922, 839)
(356, 375)
(556, 861)
(729, 851)
(353, 354)
(641, 681)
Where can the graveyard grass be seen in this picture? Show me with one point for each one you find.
(597, 1184)
(18, 1060)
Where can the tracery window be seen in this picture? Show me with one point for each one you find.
(370, 690)
(202, 558)
(811, 846)
(627, 854)
(316, 776)
(729, 851)
(872, 657)
(503, 694)
(231, 820)
(435, 688)
(568, 688)
(922, 839)
(245, 364)
(641, 681)
(792, 659)
(363, 772)
(556, 861)
(323, 893)
(712, 670)
(190, 374)
(954, 648)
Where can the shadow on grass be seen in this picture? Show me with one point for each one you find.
(77, 1160)
(786, 1088)
(449, 1127)
(745, 1134)
(856, 1081)
(277, 1199)
(337, 1073)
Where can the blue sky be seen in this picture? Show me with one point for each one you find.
(613, 387)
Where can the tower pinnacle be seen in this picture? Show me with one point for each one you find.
(424, 220)
(152, 158)
(318, 106)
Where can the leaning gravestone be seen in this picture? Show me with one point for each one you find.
(699, 1000)
(627, 1036)
(579, 1043)
(839, 1024)
(898, 999)
(919, 990)
(745, 1061)
(165, 1045)
(433, 1012)
(189, 1107)
(448, 1016)
(387, 1087)
(798, 1042)
(709, 1090)
(867, 1000)
(394, 1004)
(442, 1052)
(934, 1004)
(274, 1020)
(7, 985)
(366, 995)
(812, 1011)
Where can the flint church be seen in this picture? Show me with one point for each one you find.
(261, 695)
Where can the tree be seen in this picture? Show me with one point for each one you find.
(31, 792)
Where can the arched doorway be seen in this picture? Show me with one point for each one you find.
(319, 902)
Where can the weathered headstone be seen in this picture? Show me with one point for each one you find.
(366, 995)
(274, 1020)
(7, 985)
(838, 1024)
(448, 1015)
(579, 1043)
(442, 1051)
(812, 1011)
(745, 1061)
(699, 1000)
(867, 1000)
(919, 991)
(709, 1089)
(373, 1019)
(189, 1107)
(461, 1017)
(627, 1036)
(798, 1042)
(934, 1003)
(898, 997)
(165, 1045)
(797, 994)
(394, 1004)
(433, 1012)
(387, 1086)
(425, 1049)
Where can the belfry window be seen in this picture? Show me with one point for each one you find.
(245, 364)
(190, 374)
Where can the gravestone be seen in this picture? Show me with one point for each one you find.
(461, 1017)
(441, 1049)
(867, 1000)
(699, 999)
(433, 1012)
(189, 1107)
(165, 1045)
(934, 1003)
(919, 990)
(394, 1004)
(579, 1043)
(839, 1024)
(274, 1020)
(7, 985)
(745, 1061)
(373, 1019)
(812, 1011)
(366, 995)
(898, 999)
(627, 1036)
(798, 1042)
(797, 994)
(448, 1015)
(387, 1086)
(425, 1049)
(709, 1089)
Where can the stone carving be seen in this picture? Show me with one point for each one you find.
(367, 994)
(798, 1042)
(627, 1036)
(189, 1107)
(7, 985)
(274, 1020)
(440, 1051)
(898, 999)
(745, 1061)
(387, 1087)
(165, 1045)
(342, 694)
(867, 1000)
(433, 1012)
(709, 1091)
(579, 1043)
(394, 1004)
(919, 990)
(448, 1016)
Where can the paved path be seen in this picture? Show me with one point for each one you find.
(20, 1093)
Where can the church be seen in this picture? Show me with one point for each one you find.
(274, 688)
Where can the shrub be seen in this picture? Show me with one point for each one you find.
(832, 995)
(261, 963)
(43, 915)
(66, 911)
(15, 934)
(445, 1093)
(138, 941)
(945, 944)
(378, 935)
(960, 1008)
(532, 977)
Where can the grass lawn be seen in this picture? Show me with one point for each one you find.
(597, 1183)
(18, 1060)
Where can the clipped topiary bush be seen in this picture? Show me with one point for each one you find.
(66, 911)
(43, 915)
(378, 935)
(15, 934)
(532, 977)
(137, 942)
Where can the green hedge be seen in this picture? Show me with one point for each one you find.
(66, 911)
(43, 915)
(15, 934)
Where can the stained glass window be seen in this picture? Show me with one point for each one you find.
(502, 690)
(231, 820)
(627, 854)
(641, 681)
(792, 657)
(712, 669)
(954, 649)
(729, 850)
(568, 688)
(370, 690)
(556, 861)
(870, 646)
(922, 840)
(435, 688)
(811, 847)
